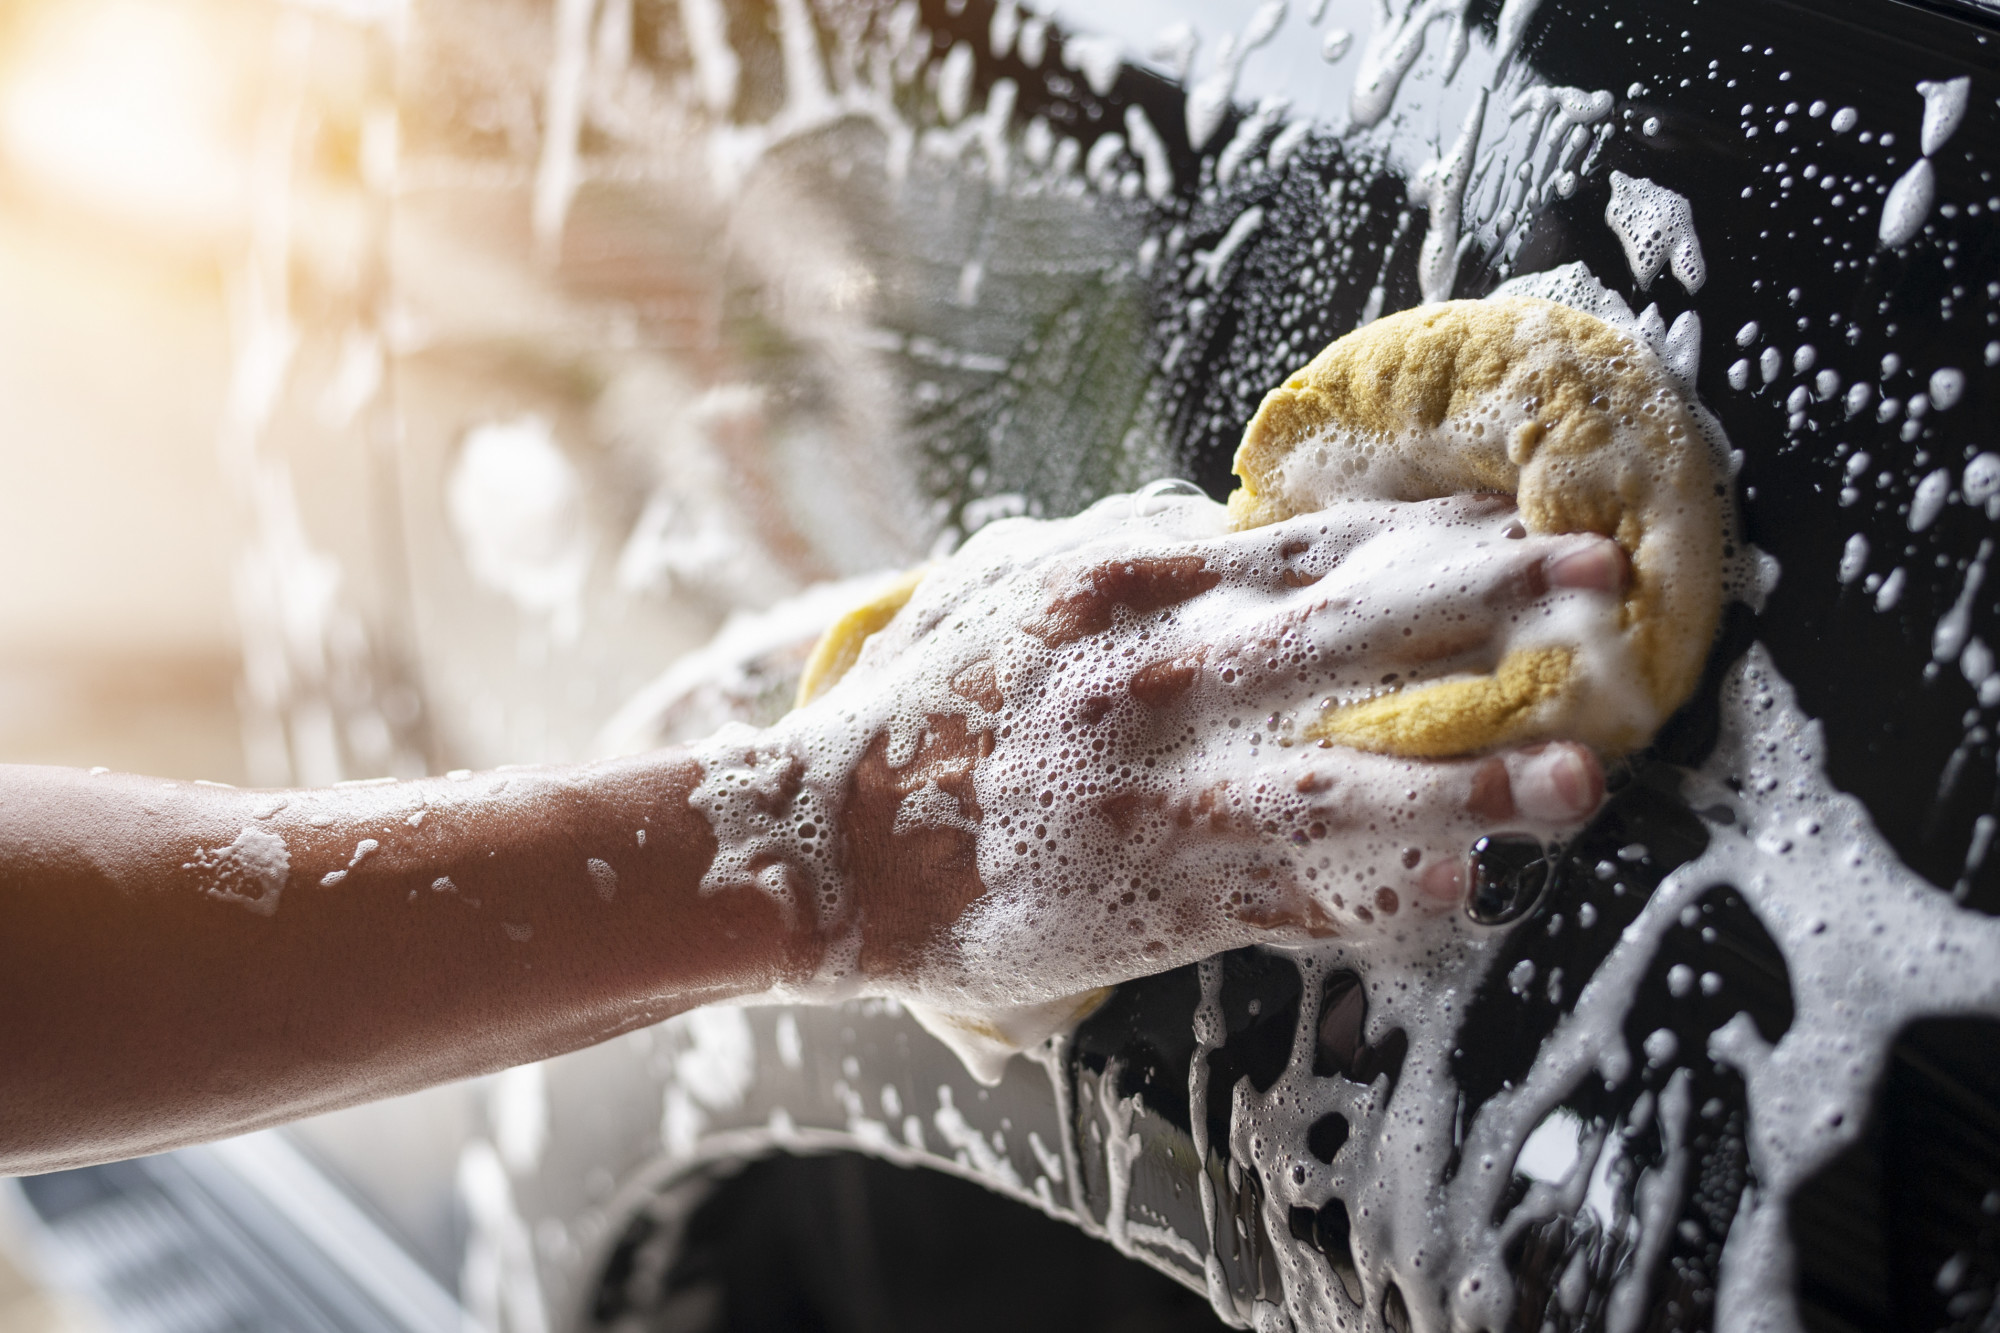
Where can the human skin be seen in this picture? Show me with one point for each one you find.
(151, 1002)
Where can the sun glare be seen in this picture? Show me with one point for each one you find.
(124, 105)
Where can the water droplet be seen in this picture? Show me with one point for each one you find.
(1982, 478)
(1946, 386)
(1155, 497)
(1509, 872)
(1854, 558)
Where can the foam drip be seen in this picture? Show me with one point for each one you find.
(250, 871)
(772, 814)
(1892, 949)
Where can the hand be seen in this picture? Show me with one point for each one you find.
(1112, 781)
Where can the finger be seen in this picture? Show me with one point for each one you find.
(1558, 785)
(1492, 794)
(1408, 823)
(1585, 562)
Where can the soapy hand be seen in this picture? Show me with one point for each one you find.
(1088, 757)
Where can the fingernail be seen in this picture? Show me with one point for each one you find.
(1443, 881)
(1561, 784)
(1599, 566)
(1571, 779)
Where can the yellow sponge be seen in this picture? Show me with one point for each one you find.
(840, 645)
(1548, 404)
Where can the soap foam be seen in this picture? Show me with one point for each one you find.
(250, 872)
(1132, 690)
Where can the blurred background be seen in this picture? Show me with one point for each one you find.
(269, 519)
(124, 137)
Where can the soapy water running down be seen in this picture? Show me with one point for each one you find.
(1869, 948)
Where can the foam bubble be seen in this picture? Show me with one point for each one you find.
(250, 872)
(1944, 108)
(1656, 226)
(1908, 205)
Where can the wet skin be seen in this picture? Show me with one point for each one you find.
(908, 943)
(143, 1010)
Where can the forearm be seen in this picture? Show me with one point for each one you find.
(182, 962)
